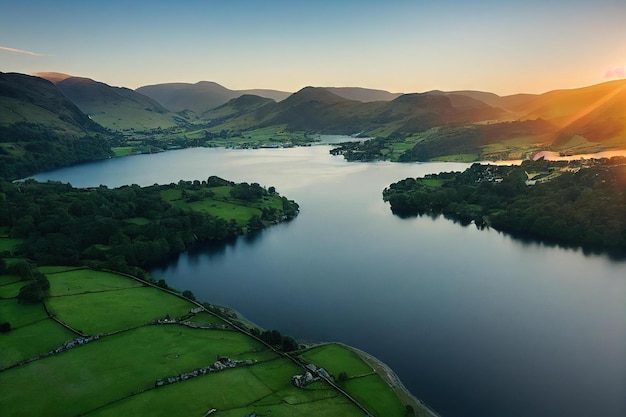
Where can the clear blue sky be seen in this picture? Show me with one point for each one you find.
(397, 45)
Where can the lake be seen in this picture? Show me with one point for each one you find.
(475, 323)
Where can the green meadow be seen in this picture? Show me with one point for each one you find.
(222, 205)
(116, 373)
(359, 379)
(108, 311)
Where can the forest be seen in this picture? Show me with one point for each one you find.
(577, 203)
(126, 228)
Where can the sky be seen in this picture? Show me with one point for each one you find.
(506, 47)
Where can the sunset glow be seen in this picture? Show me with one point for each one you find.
(505, 47)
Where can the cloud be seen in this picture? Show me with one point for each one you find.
(19, 51)
(617, 72)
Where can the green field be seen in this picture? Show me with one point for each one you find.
(97, 373)
(31, 340)
(221, 204)
(337, 359)
(235, 393)
(10, 290)
(117, 374)
(376, 394)
(9, 244)
(20, 314)
(80, 281)
(361, 382)
(103, 312)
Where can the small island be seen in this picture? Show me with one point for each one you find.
(579, 202)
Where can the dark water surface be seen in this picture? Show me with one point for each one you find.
(475, 323)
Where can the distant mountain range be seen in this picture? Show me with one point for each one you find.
(116, 108)
(202, 96)
(416, 126)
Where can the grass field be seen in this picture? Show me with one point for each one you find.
(460, 157)
(92, 375)
(235, 393)
(8, 279)
(103, 312)
(11, 290)
(337, 359)
(9, 244)
(82, 281)
(206, 318)
(221, 204)
(116, 374)
(20, 314)
(362, 382)
(376, 395)
(31, 340)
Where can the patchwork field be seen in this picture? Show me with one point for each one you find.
(159, 369)
(359, 379)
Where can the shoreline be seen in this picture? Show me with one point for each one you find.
(378, 366)
(392, 379)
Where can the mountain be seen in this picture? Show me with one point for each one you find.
(574, 121)
(42, 129)
(586, 118)
(316, 109)
(509, 103)
(364, 95)
(237, 107)
(54, 77)
(202, 96)
(29, 99)
(116, 108)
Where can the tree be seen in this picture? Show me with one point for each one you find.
(189, 295)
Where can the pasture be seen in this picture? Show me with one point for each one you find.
(31, 340)
(80, 281)
(263, 388)
(109, 311)
(92, 375)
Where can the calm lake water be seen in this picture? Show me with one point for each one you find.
(474, 322)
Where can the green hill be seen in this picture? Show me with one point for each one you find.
(117, 108)
(584, 120)
(363, 94)
(202, 96)
(315, 109)
(41, 129)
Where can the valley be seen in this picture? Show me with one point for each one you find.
(133, 230)
(430, 126)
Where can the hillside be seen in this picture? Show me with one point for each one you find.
(576, 121)
(41, 129)
(116, 108)
(363, 94)
(590, 118)
(200, 97)
(316, 109)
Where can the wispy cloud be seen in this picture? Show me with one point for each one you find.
(19, 51)
(617, 72)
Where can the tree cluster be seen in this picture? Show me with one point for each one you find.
(32, 148)
(274, 338)
(580, 203)
(38, 285)
(117, 229)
